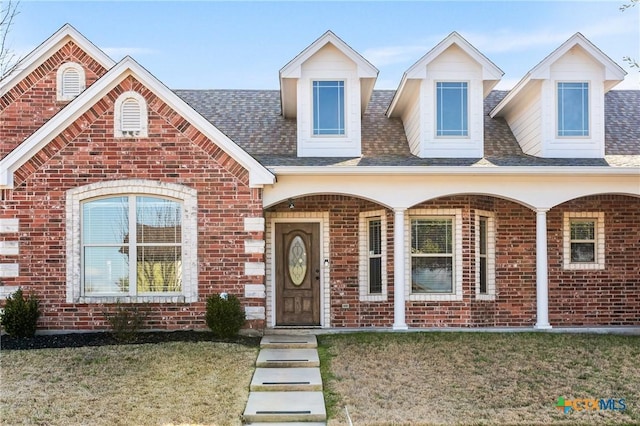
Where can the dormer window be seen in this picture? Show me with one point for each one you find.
(573, 109)
(328, 108)
(452, 109)
(70, 81)
(130, 118)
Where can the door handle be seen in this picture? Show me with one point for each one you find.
(317, 274)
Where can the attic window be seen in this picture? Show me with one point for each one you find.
(452, 110)
(70, 81)
(328, 108)
(130, 118)
(573, 109)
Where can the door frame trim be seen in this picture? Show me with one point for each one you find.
(322, 218)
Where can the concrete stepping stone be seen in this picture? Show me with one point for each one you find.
(283, 341)
(286, 379)
(285, 407)
(288, 358)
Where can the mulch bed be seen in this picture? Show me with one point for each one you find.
(75, 340)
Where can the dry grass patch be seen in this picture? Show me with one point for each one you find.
(202, 383)
(478, 378)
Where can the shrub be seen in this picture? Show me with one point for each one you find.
(126, 321)
(225, 315)
(20, 315)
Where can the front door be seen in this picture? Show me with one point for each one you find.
(297, 257)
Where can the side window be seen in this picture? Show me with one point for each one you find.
(584, 240)
(373, 256)
(70, 81)
(485, 255)
(130, 116)
(452, 111)
(573, 109)
(328, 108)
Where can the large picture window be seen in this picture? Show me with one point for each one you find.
(432, 250)
(452, 109)
(573, 109)
(131, 245)
(328, 108)
(132, 241)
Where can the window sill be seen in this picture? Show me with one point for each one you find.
(435, 297)
(133, 299)
(583, 266)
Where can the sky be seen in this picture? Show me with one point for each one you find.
(243, 44)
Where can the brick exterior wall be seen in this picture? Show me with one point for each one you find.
(30, 103)
(607, 297)
(174, 152)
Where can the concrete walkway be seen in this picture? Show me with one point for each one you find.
(286, 387)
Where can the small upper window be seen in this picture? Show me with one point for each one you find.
(584, 240)
(328, 108)
(130, 119)
(573, 109)
(70, 81)
(452, 110)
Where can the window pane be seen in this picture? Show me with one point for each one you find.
(431, 236)
(483, 275)
(328, 108)
(159, 269)
(583, 252)
(158, 220)
(375, 237)
(106, 270)
(452, 109)
(483, 235)
(105, 221)
(432, 275)
(375, 275)
(582, 230)
(573, 109)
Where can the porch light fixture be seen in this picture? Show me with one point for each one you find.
(291, 203)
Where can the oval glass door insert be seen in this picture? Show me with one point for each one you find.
(297, 260)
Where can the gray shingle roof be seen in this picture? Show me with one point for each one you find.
(253, 120)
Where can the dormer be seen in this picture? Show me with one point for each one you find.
(440, 100)
(557, 109)
(327, 88)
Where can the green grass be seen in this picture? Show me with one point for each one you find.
(478, 378)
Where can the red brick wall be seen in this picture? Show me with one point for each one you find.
(174, 152)
(30, 103)
(609, 296)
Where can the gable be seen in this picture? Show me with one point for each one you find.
(96, 104)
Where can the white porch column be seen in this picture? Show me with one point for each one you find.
(542, 273)
(398, 270)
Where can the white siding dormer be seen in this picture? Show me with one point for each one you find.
(557, 109)
(327, 88)
(440, 100)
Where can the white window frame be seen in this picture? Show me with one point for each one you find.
(599, 233)
(364, 219)
(187, 196)
(61, 94)
(436, 109)
(118, 130)
(587, 113)
(456, 216)
(490, 255)
(344, 109)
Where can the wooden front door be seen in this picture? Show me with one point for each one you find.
(297, 257)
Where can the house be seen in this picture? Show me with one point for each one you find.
(326, 203)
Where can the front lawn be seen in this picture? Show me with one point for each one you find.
(478, 378)
(204, 383)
